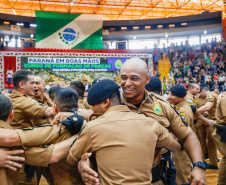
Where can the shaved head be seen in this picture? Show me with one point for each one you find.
(134, 76)
(136, 63)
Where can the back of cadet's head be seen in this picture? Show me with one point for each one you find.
(79, 87)
(66, 99)
(20, 76)
(5, 107)
(53, 90)
(206, 89)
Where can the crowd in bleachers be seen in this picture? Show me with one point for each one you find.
(200, 64)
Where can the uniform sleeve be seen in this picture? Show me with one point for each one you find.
(177, 126)
(38, 156)
(82, 145)
(32, 110)
(223, 107)
(164, 139)
(42, 135)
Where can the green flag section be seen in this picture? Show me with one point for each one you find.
(68, 31)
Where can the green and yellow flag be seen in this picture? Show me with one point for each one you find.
(68, 31)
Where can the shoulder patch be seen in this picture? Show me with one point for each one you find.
(34, 101)
(210, 98)
(190, 101)
(28, 128)
(158, 108)
(183, 115)
(185, 122)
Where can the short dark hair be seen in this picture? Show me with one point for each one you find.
(204, 89)
(66, 99)
(79, 87)
(115, 98)
(5, 107)
(20, 76)
(53, 90)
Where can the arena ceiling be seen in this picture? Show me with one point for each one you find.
(115, 9)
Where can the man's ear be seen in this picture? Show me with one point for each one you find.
(21, 85)
(106, 102)
(56, 108)
(11, 114)
(148, 79)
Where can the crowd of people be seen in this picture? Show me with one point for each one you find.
(198, 64)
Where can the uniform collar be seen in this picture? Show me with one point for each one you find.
(4, 124)
(190, 94)
(120, 108)
(180, 104)
(124, 101)
(18, 93)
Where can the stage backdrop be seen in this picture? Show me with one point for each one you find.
(71, 68)
(68, 31)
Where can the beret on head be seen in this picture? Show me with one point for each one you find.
(101, 91)
(179, 91)
(154, 84)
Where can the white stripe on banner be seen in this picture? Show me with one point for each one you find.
(85, 25)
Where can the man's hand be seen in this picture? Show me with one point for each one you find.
(211, 123)
(197, 176)
(61, 116)
(89, 176)
(7, 158)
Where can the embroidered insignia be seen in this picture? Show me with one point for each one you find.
(190, 101)
(34, 101)
(157, 108)
(183, 115)
(210, 98)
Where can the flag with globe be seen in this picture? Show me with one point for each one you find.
(68, 31)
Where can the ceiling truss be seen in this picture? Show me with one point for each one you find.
(115, 9)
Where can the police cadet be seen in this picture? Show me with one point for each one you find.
(210, 107)
(26, 111)
(134, 77)
(193, 90)
(219, 138)
(36, 155)
(41, 98)
(79, 87)
(202, 125)
(123, 141)
(181, 159)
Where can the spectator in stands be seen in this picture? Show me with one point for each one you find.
(9, 74)
(87, 85)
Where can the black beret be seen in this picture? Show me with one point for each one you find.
(101, 91)
(179, 91)
(154, 84)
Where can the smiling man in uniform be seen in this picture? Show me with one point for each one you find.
(134, 77)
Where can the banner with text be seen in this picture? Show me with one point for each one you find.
(73, 64)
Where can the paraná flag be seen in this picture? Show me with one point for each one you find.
(68, 31)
